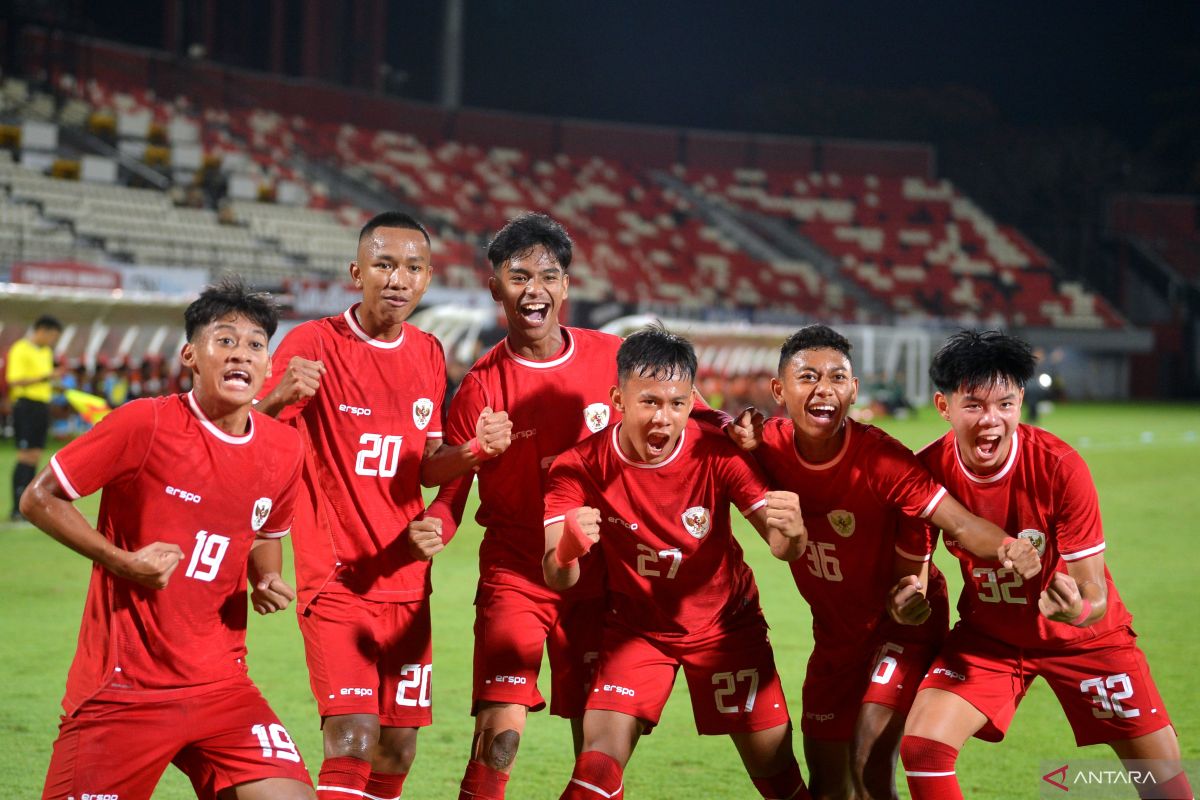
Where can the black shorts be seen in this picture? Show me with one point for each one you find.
(31, 422)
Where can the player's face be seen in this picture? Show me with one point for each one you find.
(46, 337)
(531, 287)
(393, 270)
(654, 414)
(229, 360)
(818, 388)
(983, 420)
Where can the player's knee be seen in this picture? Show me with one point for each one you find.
(503, 750)
(397, 750)
(353, 735)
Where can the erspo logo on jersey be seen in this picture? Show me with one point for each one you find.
(355, 410)
(183, 494)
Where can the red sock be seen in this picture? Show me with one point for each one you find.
(386, 785)
(1177, 788)
(342, 773)
(481, 782)
(929, 767)
(787, 785)
(597, 776)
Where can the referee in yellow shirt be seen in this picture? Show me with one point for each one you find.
(29, 371)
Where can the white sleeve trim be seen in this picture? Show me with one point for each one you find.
(274, 534)
(911, 557)
(755, 507)
(1091, 551)
(63, 481)
(433, 435)
(933, 504)
(546, 523)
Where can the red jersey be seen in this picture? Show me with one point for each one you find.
(674, 570)
(552, 405)
(1043, 493)
(365, 432)
(854, 506)
(169, 475)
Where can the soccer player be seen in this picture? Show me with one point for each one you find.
(364, 388)
(654, 492)
(857, 487)
(29, 371)
(553, 384)
(197, 490)
(1070, 626)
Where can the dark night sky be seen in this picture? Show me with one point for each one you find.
(701, 63)
(708, 63)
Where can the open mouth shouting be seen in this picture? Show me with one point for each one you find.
(236, 379)
(656, 443)
(987, 447)
(534, 313)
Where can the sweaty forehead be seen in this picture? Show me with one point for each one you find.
(398, 243)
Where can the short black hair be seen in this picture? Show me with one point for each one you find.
(655, 352)
(47, 321)
(812, 337)
(393, 219)
(973, 359)
(230, 296)
(527, 231)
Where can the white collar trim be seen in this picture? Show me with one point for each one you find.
(525, 362)
(616, 443)
(831, 463)
(214, 430)
(352, 321)
(1012, 459)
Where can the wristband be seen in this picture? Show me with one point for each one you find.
(573, 544)
(1083, 615)
(476, 449)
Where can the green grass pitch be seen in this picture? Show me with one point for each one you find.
(1146, 463)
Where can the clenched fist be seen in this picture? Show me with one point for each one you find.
(1020, 555)
(493, 433)
(907, 603)
(152, 565)
(425, 538)
(746, 429)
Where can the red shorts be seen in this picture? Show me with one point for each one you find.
(366, 657)
(731, 679)
(840, 680)
(1104, 685)
(220, 738)
(512, 628)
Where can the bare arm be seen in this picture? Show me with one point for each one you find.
(47, 505)
(984, 539)
(781, 525)
(493, 435)
(1079, 596)
(269, 592)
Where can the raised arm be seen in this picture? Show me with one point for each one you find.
(984, 539)
(493, 435)
(48, 506)
(781, 525)
(300, 381)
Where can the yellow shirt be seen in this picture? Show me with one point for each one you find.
(26, 360)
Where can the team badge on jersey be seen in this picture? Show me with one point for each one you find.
(697, 521)
(842, 522)
(596, 417)
(262, 510)
(1035, 538)
(422, 412)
